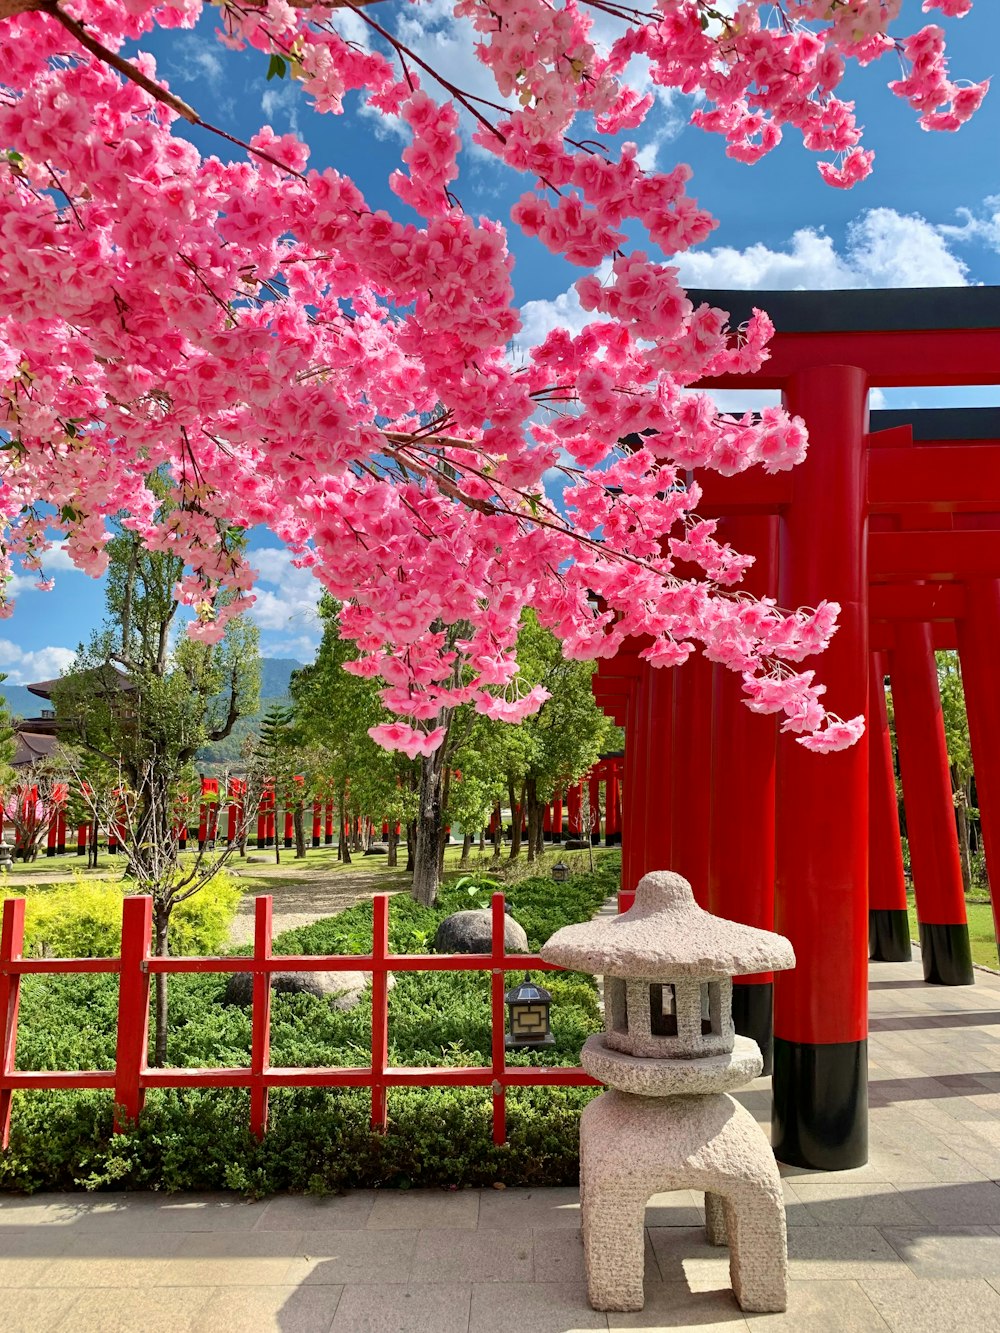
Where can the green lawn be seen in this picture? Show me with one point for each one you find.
(981, 934)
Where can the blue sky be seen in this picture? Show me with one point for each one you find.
(929, 216)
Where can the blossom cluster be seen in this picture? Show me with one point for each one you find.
(280, 353)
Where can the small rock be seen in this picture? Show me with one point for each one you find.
(472, 931)
(377, 849)
(343, 989)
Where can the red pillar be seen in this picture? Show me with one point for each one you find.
(575, 810)
(691, 769)
(741, 854)
(820, 1083)
(655, 780)
(317, 823)
(930, 811)
(557, 816)
(888, 920)
(328, 824)
(978, 640)
(633, 807)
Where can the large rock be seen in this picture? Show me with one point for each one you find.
(343, 989)
(472, 931)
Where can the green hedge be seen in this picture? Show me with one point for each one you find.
(317, 1139)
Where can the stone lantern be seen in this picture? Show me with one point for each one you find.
(670, 1057)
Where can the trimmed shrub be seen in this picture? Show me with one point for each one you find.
(82, 918)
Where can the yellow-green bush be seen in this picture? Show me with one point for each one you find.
(82, 918)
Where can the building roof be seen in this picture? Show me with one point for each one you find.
(33, 747)
(107, 676)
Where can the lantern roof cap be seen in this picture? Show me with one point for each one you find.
(666, 934)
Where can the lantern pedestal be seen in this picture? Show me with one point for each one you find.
(634, 1147)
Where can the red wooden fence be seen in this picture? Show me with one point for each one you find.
(131, 1075)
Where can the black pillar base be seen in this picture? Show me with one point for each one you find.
(315, 841)
(947, 955)
(613, 840)
(819, 1114)
(889, 935)
(753, 1015)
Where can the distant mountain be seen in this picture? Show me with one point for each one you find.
(275, 673)
(20, 702)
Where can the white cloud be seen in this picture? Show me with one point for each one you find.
(23, 668)
(985, 229)
(280, 102)
(883, 249)
(286, 596)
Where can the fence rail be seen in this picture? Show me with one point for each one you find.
(132, 1076)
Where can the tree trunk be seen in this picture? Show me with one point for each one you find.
(466, 849)
(534, 817)
(299, 822)
(392, 859)
(541, 835)
(498, 834)
(962, 816)
(411, 845)
(343, 839)
(429, 830)
(161, 947)
(482, 840)
(516, 812)
(95, 833)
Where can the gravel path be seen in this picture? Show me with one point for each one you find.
(300, 900)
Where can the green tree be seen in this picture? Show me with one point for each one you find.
(144, 697)
(276, 751)
(956, 731)
(335, 710)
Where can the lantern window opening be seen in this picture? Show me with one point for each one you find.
(663, 1010)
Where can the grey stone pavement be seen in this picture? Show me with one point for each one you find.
(909, 1242)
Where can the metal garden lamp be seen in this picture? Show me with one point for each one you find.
(528, 1016)
(561, 872)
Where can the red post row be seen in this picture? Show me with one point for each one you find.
(690, 811)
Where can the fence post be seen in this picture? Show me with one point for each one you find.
(380, 1008)
(260, 1041)
(498, 1030)
(133, 1010)
(11, 944)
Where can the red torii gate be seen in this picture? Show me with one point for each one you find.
(768, 832)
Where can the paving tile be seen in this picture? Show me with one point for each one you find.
(38, 1209)
(396, 1307)
(679, 1208)
(399, 1210)
(558, 1255)
(159, 1310)
(283, 1309)
(35, 1309)
(947, 1252)
(683, 1254)
(297, 1212)
(150, 1211)
(519, 1209)
(956, 1204)
(855, 1203)
(534, 1307)
(833, 1252)
(472, 1256)
(37, 1242)
(822, 1307)
(675, 1305)
(337, 1257)
(972, 1306)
